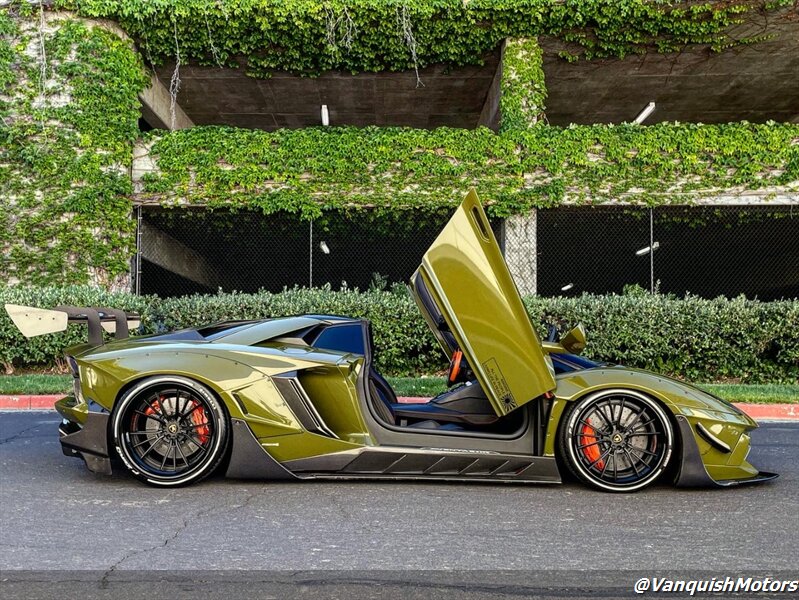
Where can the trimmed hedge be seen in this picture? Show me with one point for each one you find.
(693, 338)
(702, 340)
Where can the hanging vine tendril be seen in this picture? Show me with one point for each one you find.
(214, 51)
(42, 58)
(174, 82)
(406, 32)
(339, 27)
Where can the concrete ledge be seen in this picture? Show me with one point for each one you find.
(759, 412)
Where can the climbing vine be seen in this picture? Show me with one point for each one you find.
(311, 170)
(68, 113)
(313, 36)
(523, 89)
(68, 119)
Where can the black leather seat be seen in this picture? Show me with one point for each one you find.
(464, 404)
(383, 397)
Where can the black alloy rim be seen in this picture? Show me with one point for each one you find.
(170, 431)
(620, 440)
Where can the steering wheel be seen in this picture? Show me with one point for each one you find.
(455, 367)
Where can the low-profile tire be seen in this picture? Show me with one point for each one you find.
(617, 440)
(170, 431)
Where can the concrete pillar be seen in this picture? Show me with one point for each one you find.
(162, 249)
(520, 251)
(143, 164)
(156, 102)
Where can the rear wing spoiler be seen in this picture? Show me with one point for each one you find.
(32, 321)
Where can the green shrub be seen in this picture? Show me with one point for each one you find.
(694, 338)
(702, 340)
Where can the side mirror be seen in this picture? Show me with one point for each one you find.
(574, 341)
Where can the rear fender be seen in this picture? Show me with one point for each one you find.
(105, 380)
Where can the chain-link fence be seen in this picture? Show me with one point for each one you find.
(707, 251)
(186, 251)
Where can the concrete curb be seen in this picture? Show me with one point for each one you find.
(759, 412)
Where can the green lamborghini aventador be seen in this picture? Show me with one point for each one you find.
(299, 397)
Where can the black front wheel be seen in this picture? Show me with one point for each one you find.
(170, 431)
(617, 440)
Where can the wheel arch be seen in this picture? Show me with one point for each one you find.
(575, 387)
(141, 377)
(218, 374)
(145, 381)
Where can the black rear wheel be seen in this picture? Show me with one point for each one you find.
(617, 440)
(170, 431)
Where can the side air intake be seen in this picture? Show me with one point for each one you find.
(301, 405)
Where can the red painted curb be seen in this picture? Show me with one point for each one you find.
(412, 400)
(781, 412)
(764, 412)
(28, 402)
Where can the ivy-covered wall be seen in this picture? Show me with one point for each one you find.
(68, 111)
(312, 36)
(68, 120)
(314, 169)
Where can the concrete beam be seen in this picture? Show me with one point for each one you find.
(168, 253)
(156, 101)
(756, 82)
(489, 116)
(520, 251)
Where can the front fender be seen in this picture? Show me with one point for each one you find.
(680, 398)
(714, 434)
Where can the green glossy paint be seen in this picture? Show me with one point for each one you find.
(473, 292)
(466, 275)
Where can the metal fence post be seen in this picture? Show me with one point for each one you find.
(651, 251)
(310, 255)
(137, 259)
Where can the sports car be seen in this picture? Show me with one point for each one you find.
(298, 398)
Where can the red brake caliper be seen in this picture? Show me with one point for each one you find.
(152, 410)
(199, 418)
(592, 452)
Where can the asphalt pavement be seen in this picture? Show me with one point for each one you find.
(57, 515)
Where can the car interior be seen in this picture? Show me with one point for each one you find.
(463, 407)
